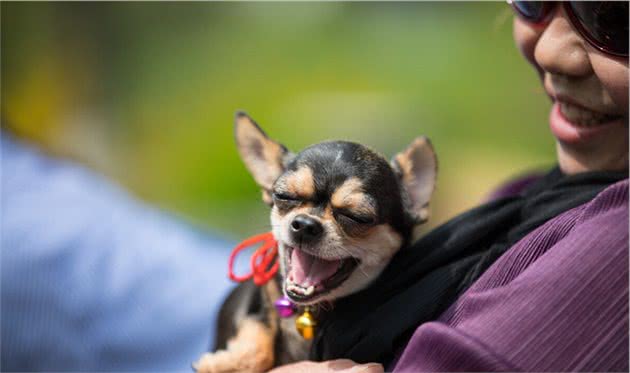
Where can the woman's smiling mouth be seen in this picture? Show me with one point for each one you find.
(583, 117)
(573, 124)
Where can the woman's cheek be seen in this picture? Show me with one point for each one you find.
(613, 74)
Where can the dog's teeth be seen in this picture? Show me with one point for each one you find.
(295, 288)
(304, 289)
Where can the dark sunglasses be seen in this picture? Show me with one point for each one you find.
(604, 24)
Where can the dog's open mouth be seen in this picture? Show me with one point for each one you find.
(309, 276)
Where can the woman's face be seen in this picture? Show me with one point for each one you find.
(589, 89)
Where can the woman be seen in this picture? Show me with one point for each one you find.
(536, 279)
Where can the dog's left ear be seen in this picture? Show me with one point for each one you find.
(264, 158)
(416, 168)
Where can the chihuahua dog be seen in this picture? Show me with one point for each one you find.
(339, 212)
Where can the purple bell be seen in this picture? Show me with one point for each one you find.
(285, 307)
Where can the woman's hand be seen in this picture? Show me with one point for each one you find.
(331, 366)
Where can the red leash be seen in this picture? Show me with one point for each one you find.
(261, 260)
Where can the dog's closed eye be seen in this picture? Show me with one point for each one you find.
(285, 201)
(343, 214)
(285, 197)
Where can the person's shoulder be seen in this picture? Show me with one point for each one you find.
(599, 234)
(599, 227)
(610, 205)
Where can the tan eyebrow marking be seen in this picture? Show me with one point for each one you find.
(350, 196)
(301, 182)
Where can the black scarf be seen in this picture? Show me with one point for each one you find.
(424, 279)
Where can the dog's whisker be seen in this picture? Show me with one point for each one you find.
(356, 260)
(326, 305)
(361, 270)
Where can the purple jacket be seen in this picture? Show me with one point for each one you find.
(556, 301)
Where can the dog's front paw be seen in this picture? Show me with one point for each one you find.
(213, 363)
(251, 351)
(230, 361)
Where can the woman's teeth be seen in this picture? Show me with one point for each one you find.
(583, 117)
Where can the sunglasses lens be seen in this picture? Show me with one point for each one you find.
(605, 23)
(532, 11)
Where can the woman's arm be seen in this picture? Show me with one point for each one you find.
(556, 301)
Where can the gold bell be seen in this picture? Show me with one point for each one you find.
(305, 325)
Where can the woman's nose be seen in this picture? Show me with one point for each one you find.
(560, 50)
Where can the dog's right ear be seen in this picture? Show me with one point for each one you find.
(264, 158)
(416, 168)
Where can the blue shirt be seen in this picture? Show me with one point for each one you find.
(94, 280)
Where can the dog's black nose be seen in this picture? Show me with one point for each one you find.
(305, 229)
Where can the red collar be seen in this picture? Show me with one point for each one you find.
(264, 263)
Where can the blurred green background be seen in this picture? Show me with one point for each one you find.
(145, 93)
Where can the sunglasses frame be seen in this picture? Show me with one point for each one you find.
(547, 14)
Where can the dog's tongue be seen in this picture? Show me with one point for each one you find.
(308, 270)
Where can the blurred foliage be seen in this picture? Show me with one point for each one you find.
(145, 92)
